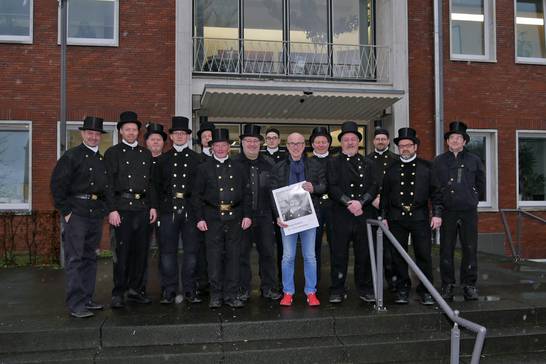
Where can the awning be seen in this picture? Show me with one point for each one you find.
(296, 102)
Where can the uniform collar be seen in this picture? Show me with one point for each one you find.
(94, 149)
(206, 151)
(272, 150)
(132, 145)
(408, 160)
(382, 152)
(221, 160)
(180, 148)
(324, 155)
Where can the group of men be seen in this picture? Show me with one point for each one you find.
(219, 206)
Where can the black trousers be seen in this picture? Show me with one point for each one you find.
(349, 229)
(131, 251)
(422, 248)
(201, 271)
(173, 227)
(154, 235)
(324, 216)
(260, 233)
(223, 239)
(465, 224)
(81, 240)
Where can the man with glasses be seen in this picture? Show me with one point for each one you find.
(272, 149)
(408, 186)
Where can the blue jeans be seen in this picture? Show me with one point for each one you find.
(289, 242)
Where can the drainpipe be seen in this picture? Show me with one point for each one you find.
(438, 78)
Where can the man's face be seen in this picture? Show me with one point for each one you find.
(155, 143)
(381, 142)
(407, 148)
(179, 137)
(206, 137)
(320, 144)
(220, 149)
(456, 142)
(91, 138)
(349, 144)
(295, 144)
(251, 146)
(129, 132)
(272, 140)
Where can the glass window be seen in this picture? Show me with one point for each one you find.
(15, 163)
(483, 143)
(93, 22)
(16, 21)
(531, 168)
(73, 135)
(472, 29)
(530, 41)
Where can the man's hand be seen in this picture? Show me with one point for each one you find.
(308, 186)
(281, 223)
(435, 223)
(153, 215)
(202, 225)
(114, 218)
(67, 217)
(245, 224)
(355, 207)
(376, 201)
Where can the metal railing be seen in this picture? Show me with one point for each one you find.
(266, 58)
(377, 275)
(516, 249)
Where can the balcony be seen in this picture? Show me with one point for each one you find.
(277, 59)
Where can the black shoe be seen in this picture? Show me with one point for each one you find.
(243, 295)
(470, 293)
(92, 305)
(215, 302)
(367, 297)
(137, 297)
(337, 297)
(82, 314)
(426, 299)
(234, 303)
(447, 292)
(117, 302)
(167, 298)
(271, 294)
(192, 298)
(402, 297)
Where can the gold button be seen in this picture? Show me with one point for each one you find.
(221, 190)
(411, 193)
(174, 207)
(402, 183)
(127, 162)
(412, 182)
(230, 177)
(175, 165)
(123, 150)
(219, 177)
(175, 154)
(232, 189)
(86, 156)
(143, 162)
(90, 168)
(185, 165)
(174, 174)
(402, 193)
(129, 176)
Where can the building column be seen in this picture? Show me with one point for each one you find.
(183, 58)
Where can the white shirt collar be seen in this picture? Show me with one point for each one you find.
(206, 150)
(348, 154)
(321, 155)
(408, 160)
(381, 152)
(272, 150)
(132, 145)
(221, 160)
(94, 149)
(180, 148)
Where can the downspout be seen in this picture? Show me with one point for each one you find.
(438, 78)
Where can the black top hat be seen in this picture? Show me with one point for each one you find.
(204, 126)
(251, 130)
(380, 130)
(406, 133)
(92, 123)
(153, 128)
(180, 123)
(457, 127)
(219, 135)
(128, 117)
(320, 131)
(274, 130)
(349, 127)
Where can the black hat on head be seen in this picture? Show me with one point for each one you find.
(320, 131)
(219, 135)
(406, 133)
(180, 123)
(457, 127)
(204, 125)
(380, 130)
(153, 128)
(128, 117)
(251, 130)
(92, 123)
(274, 130)
(349, 127)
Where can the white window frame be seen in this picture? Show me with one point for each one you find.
(24, 39)
(491, 202)
(21, 125)
(527, 60)
(489, 34)
(98, 42)
(540, 205)
(75, 124)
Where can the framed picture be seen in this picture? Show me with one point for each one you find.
(295, 208)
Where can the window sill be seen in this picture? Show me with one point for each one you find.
(15, 40)
(535, 61)
(470, 59)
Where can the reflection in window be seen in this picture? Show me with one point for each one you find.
(532, 167)
(93, 22)
(468, 27)
(15, 165)
(16, 20)
(530, 29)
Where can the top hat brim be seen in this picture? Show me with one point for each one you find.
(259, 136)
(92, 129)
(357, 133)
(464, 134)
(121, 123)
(413, 139)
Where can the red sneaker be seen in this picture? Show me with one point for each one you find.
(312, 299)
(287, 299)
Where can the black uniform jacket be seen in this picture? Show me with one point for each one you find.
(129, 172)
(324, 199)
(278, 156)
(259, 172)
(461, 179)
(80, 171)
(173, 177)
(407, 189)
(218, 184)
(382, 163)
(314, 173)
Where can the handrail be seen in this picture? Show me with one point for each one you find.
(377, 275)
(516, 256)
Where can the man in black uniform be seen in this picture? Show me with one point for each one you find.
(461, 176)
(321, 140)
(204, 135)
(78, 184)
(383, 158)
(173, 178)
(131, 201)
(258, 167)
(272, 149)
(352, 188)
(407, 188)
(222, 208)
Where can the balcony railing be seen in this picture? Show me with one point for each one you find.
(291, 59)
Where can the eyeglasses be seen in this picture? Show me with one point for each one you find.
(272, 138)
(298, 144)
